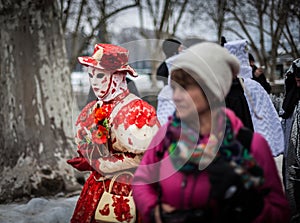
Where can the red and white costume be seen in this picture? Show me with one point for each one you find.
(112, 132)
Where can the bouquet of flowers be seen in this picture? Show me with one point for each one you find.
(93, 131)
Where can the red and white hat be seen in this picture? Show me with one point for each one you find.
(108, 57)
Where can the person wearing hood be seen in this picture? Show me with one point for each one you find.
(265, 118)
(203, 165)
(112, 135)
(236, 99)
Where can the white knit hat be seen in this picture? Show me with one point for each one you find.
(213, 64)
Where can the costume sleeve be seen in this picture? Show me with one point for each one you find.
(276, 207)
(116, 162)
(133, 127)
(146, 177)
(80, 163)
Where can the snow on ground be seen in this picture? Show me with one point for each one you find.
(39, 210)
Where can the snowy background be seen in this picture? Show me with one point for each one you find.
(39, 210)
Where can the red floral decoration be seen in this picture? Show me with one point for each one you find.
(122, 208)
(100, 136)
(93, 131)
(113, 61)
(113, 56)
(93, 126)
(100, 114)
(105, 210)
(101, 120)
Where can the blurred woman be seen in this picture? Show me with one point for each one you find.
(203, 165)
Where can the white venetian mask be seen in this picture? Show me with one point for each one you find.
(106, 86)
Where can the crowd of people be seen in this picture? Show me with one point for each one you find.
(205, 154)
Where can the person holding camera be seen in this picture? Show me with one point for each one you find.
(203, 165)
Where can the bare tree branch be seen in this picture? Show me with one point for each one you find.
(182, 10)
(65, 13)
(79, 46)
(165, 15)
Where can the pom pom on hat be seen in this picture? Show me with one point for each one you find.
(212, 64)
(108, 57)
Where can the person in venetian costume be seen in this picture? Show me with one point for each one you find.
(203, 165)
(264, 116)
(113, 131)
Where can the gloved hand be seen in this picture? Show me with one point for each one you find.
(244, 206)
(222, 177)
(236, 203)
(80, 163)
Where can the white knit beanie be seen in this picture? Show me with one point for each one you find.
(213, 64)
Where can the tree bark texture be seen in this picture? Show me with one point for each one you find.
(36, 135)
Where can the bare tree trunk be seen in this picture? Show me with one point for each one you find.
(220, 18)
(36, 101)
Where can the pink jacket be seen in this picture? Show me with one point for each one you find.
(196, 192)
